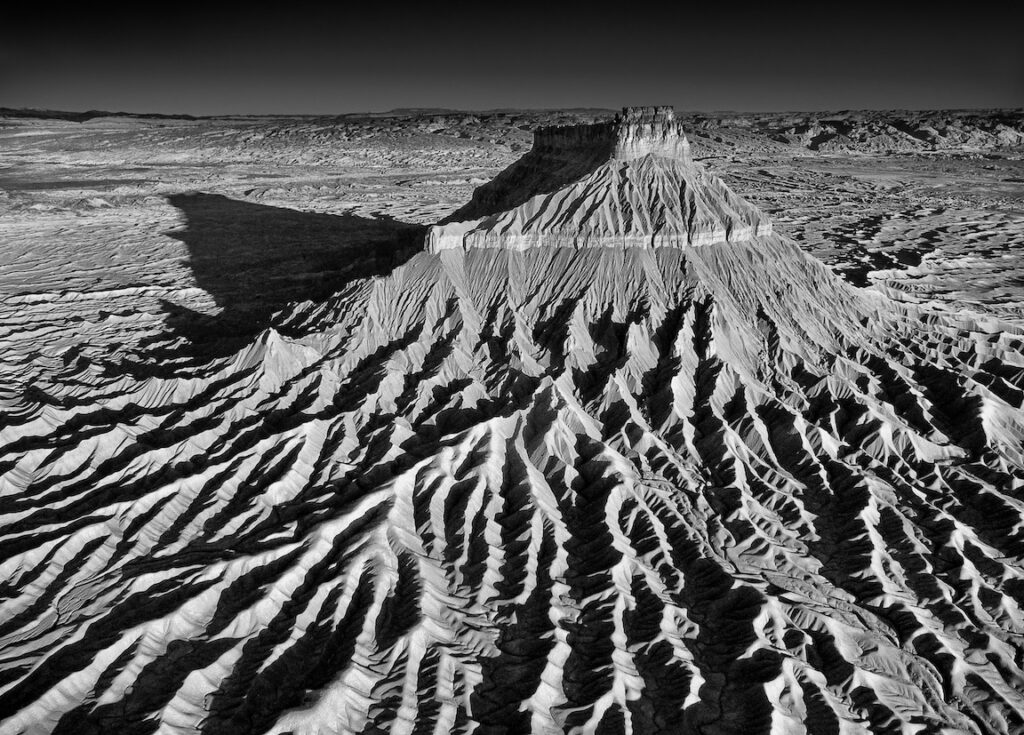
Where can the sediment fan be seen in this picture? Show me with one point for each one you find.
(676, 477)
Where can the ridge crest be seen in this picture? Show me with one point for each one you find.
(626, 182)
(633, 133)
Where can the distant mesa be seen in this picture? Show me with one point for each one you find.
(627, 182)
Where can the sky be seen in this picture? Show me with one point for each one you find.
(174, 59)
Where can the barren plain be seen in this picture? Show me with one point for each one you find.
(267, 465)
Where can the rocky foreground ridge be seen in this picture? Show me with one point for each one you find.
(629, 182)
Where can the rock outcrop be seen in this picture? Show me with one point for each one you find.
(630, 182)
(614, 490)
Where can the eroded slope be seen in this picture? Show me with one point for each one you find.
(629, 182)
(549, 491)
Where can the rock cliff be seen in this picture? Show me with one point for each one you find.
(629, 182)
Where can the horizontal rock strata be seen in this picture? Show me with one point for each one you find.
(630, 182)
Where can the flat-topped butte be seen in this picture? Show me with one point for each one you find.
(627, 182)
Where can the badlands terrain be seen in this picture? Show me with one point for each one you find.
(413, 423)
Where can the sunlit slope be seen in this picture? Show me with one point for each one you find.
(629, 182)
(622, 490)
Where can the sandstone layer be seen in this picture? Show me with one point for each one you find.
(631, 182)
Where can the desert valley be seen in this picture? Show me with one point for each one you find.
(512, 422)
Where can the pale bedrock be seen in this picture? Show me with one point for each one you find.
(627, 183)
(613, 490)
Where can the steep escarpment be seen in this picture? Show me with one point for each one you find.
(563, 154)
(630, 182)
(704, 489)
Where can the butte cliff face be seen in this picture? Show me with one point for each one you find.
(630, 182)
(609, 489)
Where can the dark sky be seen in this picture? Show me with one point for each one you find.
(173, 59)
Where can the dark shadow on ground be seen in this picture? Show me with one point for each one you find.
(255, 259)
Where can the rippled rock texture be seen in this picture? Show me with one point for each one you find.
(710, 489)
(631, 182)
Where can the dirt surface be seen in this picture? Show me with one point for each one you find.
(268, 466)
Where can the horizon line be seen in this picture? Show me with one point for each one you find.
(96, 113)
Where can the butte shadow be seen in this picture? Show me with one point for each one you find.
(255, 259)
